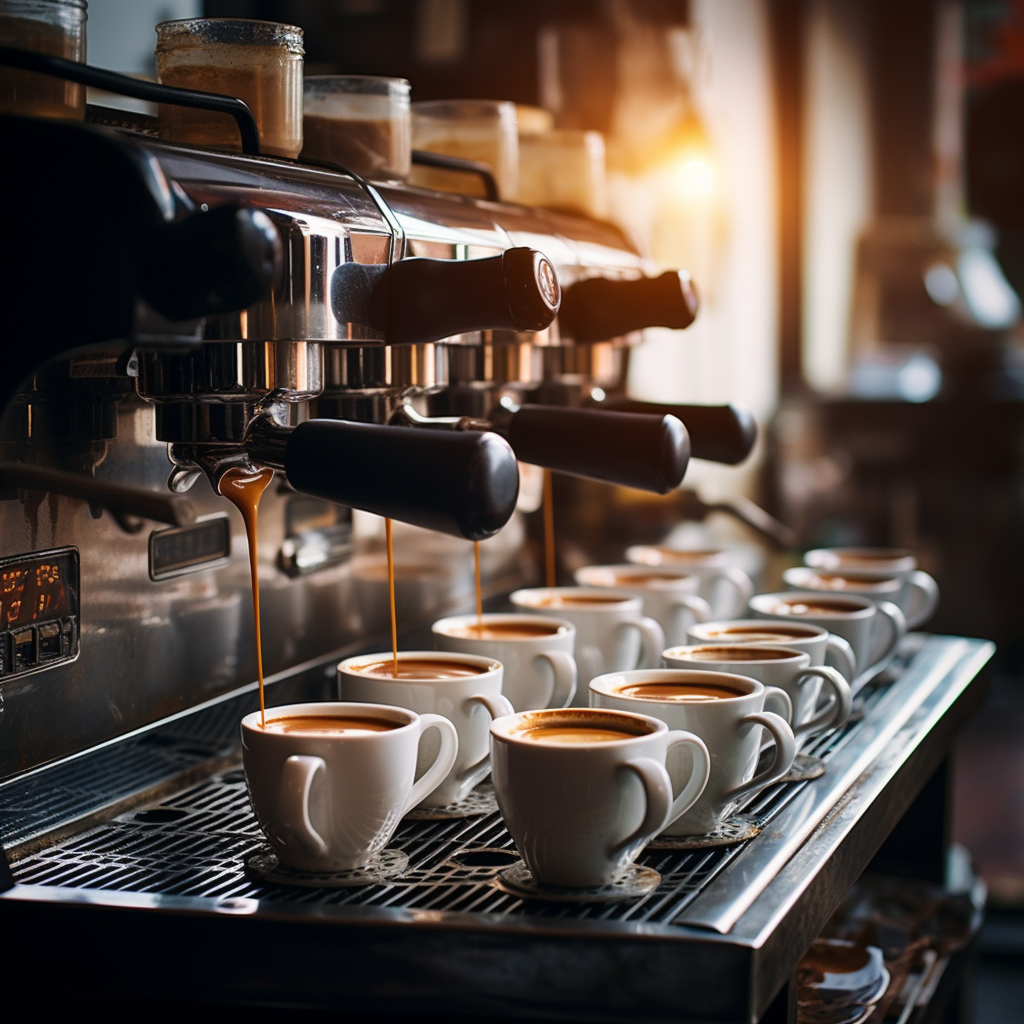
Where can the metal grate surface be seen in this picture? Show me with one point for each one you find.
(195, 843)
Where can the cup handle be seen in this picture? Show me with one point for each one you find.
(652, 641)
(778, 702)
(443, 763)
(297, 776)
(896, 628)
(700, 770)
(785, 751)
(563, 683)
(923, 598)
(841, 651)
(742, 588)
(497, 707)
(658, 790)
(696, 606)
(836, 709)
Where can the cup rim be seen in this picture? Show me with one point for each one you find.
(868, 553)
(565, 627)
(793, 652)
(611, 683)
(330, 709)
(883, 582)
(865, 607)
(669, 575)
(503, 728)
(637, 555)
(815, 632)
(628, 600)
(489, 665)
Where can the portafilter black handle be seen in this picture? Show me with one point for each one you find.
(718, 433)
(464, 483)
(422, 300)
(597, 308)
(646, 452)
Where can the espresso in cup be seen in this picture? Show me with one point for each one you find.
(914, 592)
(536, 652)
(464, 688)
(669, 595)
(419, 668)
(612, 633)
(300, 767)
(822, 646)
(583, 790)
(326, 725)
(873, 629)
(784, 669)
(505, 629)
(727, 711)
(722, 583)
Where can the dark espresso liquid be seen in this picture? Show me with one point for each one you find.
(243, 489)
(505, 630)
(755, 634)
(578, 600)
(734, 654)
(681, 693)
(635, 579)
(574, 734)
(807, 606)
(419, 668)
(328, 725)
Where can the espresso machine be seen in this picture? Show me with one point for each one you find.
(174, 313)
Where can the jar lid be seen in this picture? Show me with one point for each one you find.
(229, 31)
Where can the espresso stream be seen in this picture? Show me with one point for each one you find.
(243, 489)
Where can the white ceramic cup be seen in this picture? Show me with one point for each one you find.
(730, 725)
(612, 633)
(824, 648)
(329, 797)
(540, 671)
(582, 791)
(725, 586)
(872, 629)
(669, 595)
(787, 669)
(470, 702)
(915, 592)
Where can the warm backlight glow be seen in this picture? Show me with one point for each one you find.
(696, 177)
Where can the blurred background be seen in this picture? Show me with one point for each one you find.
(843, 180)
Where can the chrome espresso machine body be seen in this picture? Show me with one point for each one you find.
(126, 592)
(174, 313)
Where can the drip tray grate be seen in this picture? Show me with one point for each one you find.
(196, 843)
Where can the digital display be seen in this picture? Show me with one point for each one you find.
(38, 589)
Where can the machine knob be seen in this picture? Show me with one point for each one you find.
(597, 308)
(718, 433)
(647, 452)
(464, 483)
(422, 300)
(209, 263)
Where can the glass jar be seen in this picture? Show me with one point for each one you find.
(259, 62)
(360, 122)
(483, 130)
(54, 27)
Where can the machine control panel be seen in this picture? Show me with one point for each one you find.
(39, 612)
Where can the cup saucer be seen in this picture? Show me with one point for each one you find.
(636, 881)
(268, 867)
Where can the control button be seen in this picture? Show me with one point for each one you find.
(23, 644)
(4, 655)
(49, 641)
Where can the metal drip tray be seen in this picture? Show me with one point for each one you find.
(701, 945)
